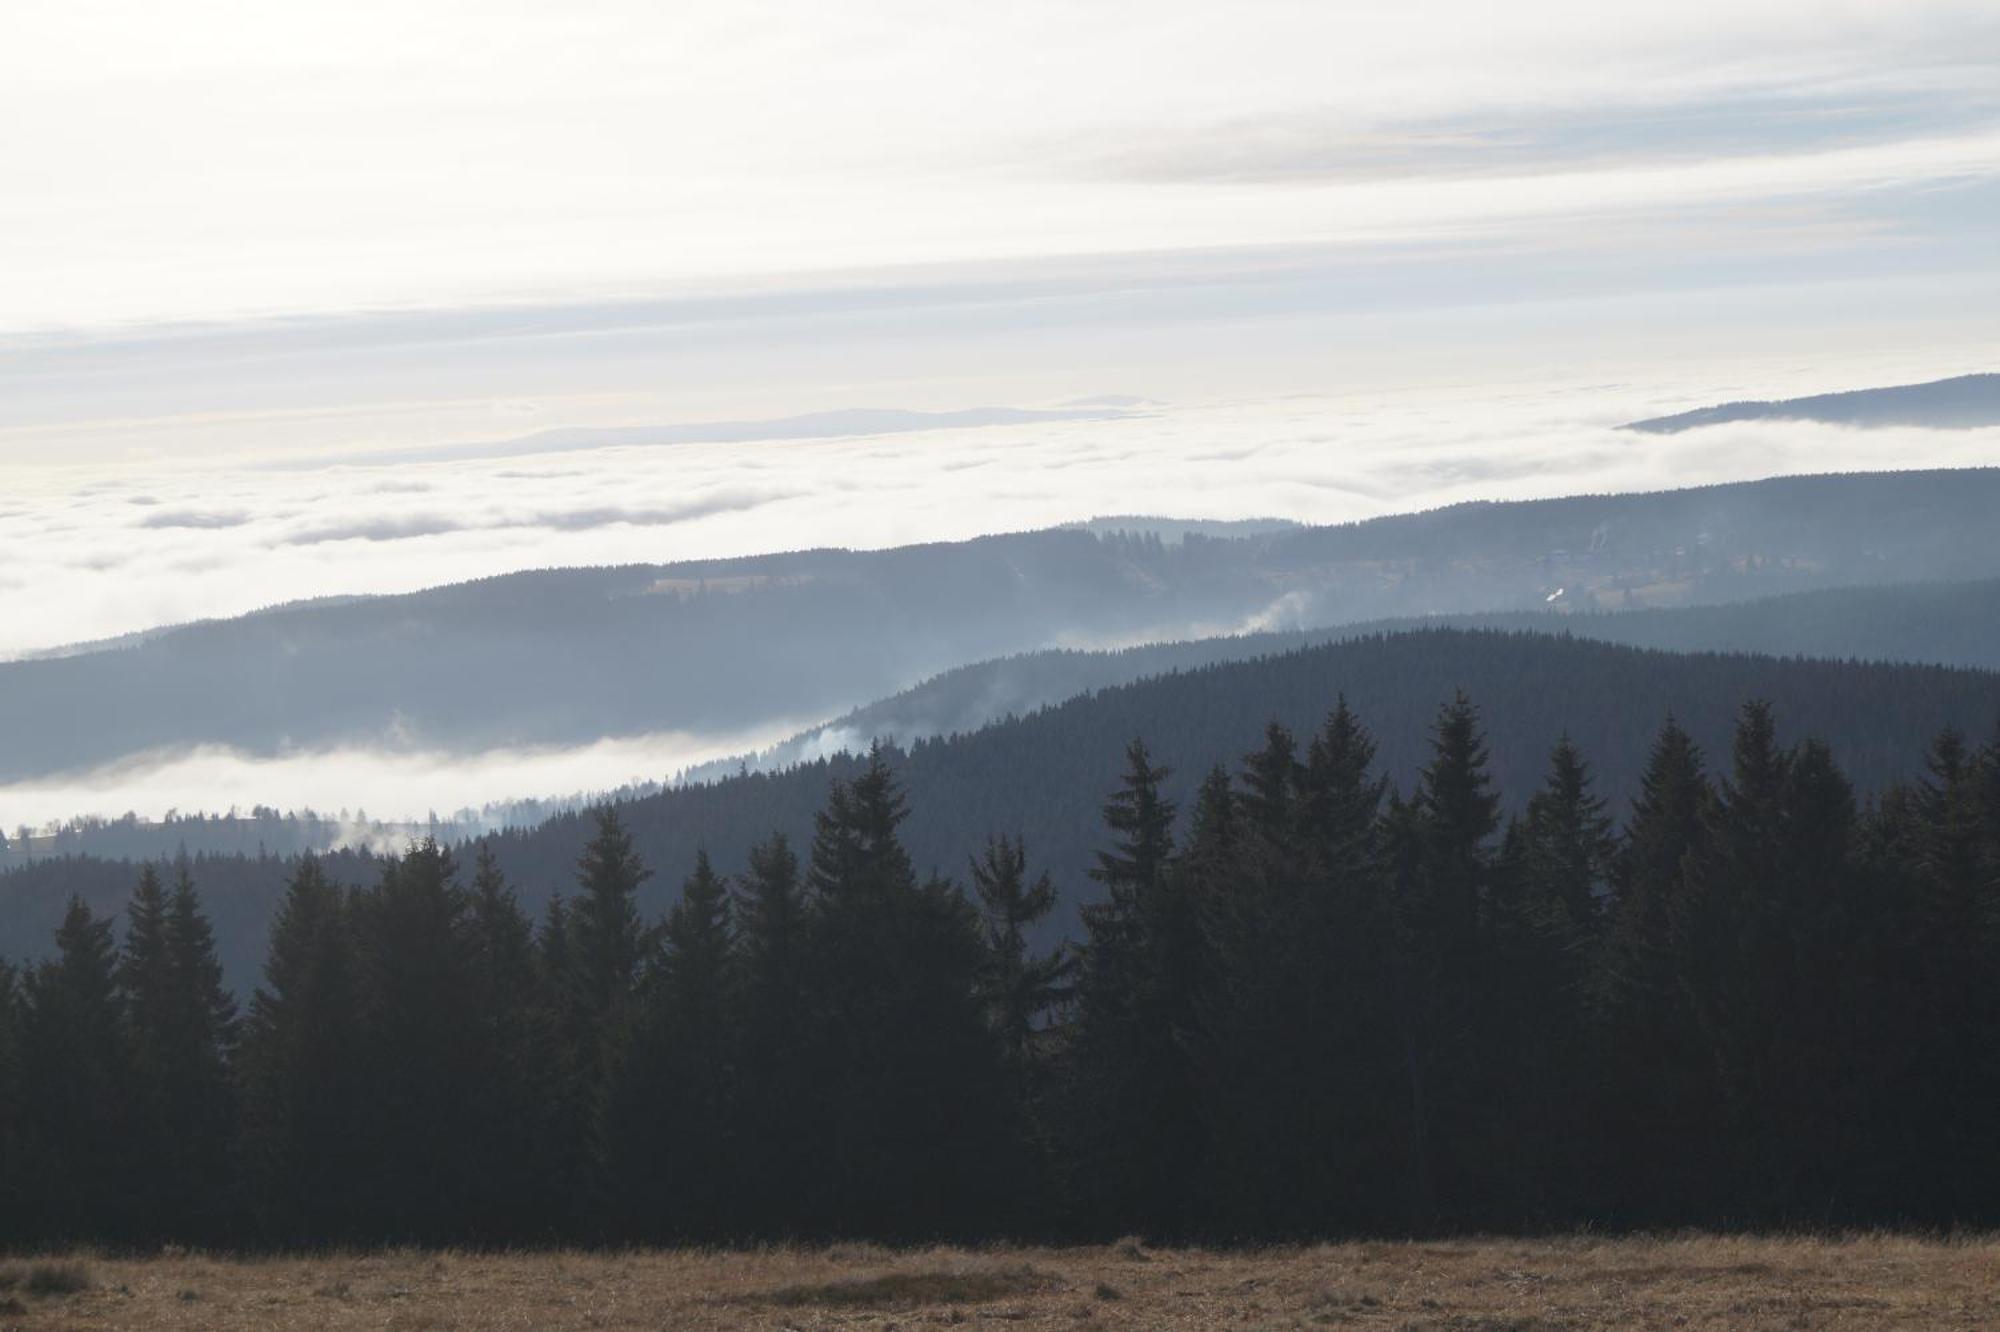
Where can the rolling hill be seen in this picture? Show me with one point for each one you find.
(725, 648)
(1963, 402)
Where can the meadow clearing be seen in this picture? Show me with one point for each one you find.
(1472, 1285)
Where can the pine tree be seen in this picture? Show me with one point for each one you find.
(418, 997)
(1451, 1068)
(1735, 957)
(771, 908)
(145, 967)
(779, 1131)
(1272, 778)
(1339, 802)
(306, 1098)
(567, 1049)
(146, 998)
(609, 949)
(1543, 915)
(607, 942)
(671, 1108)
(515, 1131)
(78, 1087)
(1294, 1048)
(914, 1090)
(1955, 894)
(1141, 821)
(1571, 847)
(1638, 970)
(189, 1024)
(1021, 992)
(14, 1223)
(1458, 812)
(1655, 1085)
(1122, 1054)
(1018, 990)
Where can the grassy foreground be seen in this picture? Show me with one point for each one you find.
(1465, 1286)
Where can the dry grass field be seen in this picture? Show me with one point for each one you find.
(1468, 1286)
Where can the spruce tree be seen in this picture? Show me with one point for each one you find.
(307, 1101)
(1655, 1087)
(913, 1079)
(145, 967)
(607, 943)
(1018, 990)
(183, 1024)
(700, 990)
(78, 1089)
(1272, 779)
(779, 1129)
(569, 1051)
(1022, 992)
(1141, 822)
(1543, 914)
(1452, 1069)
(14, 1223)
(1570, 845)
(1339, 802)
(608, 950)
(671, 1107)
(425, 1044)
(1119, 1060)
(515, 1130)
(1731, 941)
(146, 997)
(1294, 1045)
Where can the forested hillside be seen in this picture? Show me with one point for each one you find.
(1315, 1005)
(1043, 775)
(571, 656)
(1963, 402)
(1947, 624)
(1952, 624)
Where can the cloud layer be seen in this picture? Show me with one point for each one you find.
(625, 145)
(110, 551)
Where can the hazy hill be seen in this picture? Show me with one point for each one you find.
(729, 647)
(1048, 772)
(1966, 401)
(1946, 624)
(1949, 624)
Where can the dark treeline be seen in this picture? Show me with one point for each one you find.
(1874, 716)
(1318, 1005)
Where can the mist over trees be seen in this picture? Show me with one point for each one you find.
(966, 787)
(1322, 1003)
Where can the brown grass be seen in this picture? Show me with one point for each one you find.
(1697, 1281)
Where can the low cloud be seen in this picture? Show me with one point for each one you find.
(77, 568)
(190, 517)
(376, 529)
(387, 784)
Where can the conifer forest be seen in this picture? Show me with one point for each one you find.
(1311, 1004)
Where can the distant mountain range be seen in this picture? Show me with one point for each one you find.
(1960, 403)
(728, 647)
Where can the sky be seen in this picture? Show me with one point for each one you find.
(283, 286)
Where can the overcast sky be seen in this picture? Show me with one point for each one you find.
(213, 158)
(241, 227)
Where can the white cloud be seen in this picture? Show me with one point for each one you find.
(216, 157)
(82, 561)
(387, 785)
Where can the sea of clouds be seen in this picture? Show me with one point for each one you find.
(87, 555)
